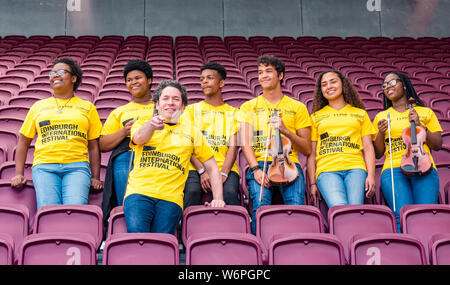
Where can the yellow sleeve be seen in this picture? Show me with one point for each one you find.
(302, 118)
(202, 151)
(243, 115)
(133, 130)
(28, 128)
(313, 130)
(375, 126)
(95, 125)
(367, 126)
(433, 124)
(112, 124)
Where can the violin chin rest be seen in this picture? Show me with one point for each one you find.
(409, 169)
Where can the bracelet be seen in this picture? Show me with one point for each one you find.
(254, 168)
(224, 174)
(312, 184)
(201, 171)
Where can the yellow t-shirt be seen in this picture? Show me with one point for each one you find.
(125, 113)
(399, 122)
(161, 165)
(339, 134)
(257, 112)
(61, 137)
(217, 124)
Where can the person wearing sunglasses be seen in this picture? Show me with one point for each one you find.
(66, 160)
(416, 189)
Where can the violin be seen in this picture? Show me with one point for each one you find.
(415, 161)
(282, 171)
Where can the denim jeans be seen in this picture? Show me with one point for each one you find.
(293, 194)
(121, 164)
(145, 214)
(345, 187)
(422, 189)
(62, 183)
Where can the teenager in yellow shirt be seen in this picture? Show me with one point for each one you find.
(164, 145)
(421, 189)
(67, 158)
(342, 163)
(293, 122)
(217, 122)
(115, 136)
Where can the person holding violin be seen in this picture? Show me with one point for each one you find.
(411, 185)
(261, 127)
(342, 163)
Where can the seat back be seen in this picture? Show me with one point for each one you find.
(223, 249)
(348, 220)
(440, 249)
(386, 249)
(141, 249)
(201, 219)
(6, 249)
(279, 219)
(425, 220)
(117, 222)
(306, 249)
(58, 249)
(87, 219)
(25, 196)
(14, 222)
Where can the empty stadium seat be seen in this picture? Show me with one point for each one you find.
(86, 219)
(6, 249)
(348, 220)
(439, 247)
(386, 249)
(58, 249)
(141, 249)
(223, 249)
(14, 221)
(116, 223)
(202, 219)
(306, 249)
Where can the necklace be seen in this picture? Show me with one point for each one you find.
(60, 108)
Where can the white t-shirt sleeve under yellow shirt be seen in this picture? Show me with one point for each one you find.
(399, 122)
(339, 134)
(217, 124)
(61, 137)
(161, 165)
(256, 112)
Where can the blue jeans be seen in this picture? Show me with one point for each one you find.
(422, 189)
(145, 214)
(121, 164)
(293, 194)
(66, 183)
(345, 187)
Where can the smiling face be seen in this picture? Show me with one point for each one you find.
(394, 89)
(62, 83)
(137, 83)
(211, 82)
(331, 86)
(170, 104)
(268, 77)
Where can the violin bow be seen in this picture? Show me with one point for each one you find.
(269, 134)
(390, 156)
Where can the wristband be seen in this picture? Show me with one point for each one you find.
(201, 171)
(254, 168)
(224, 174)
(312, 184)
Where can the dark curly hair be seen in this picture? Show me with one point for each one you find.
(138, 64)
(75, 69)
(268, 59)
(171, 83)
(351, 95)
(409, 90)
(217, 67)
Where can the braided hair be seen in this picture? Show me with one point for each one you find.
(409, 90)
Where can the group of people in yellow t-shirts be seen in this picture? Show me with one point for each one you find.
(167, 155)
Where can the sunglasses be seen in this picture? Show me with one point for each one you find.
(392, 82)
(60, 72)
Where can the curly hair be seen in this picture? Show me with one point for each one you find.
(171, 83)
(278, 64)
(351, 95)
(138, 64)
(74, 68)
